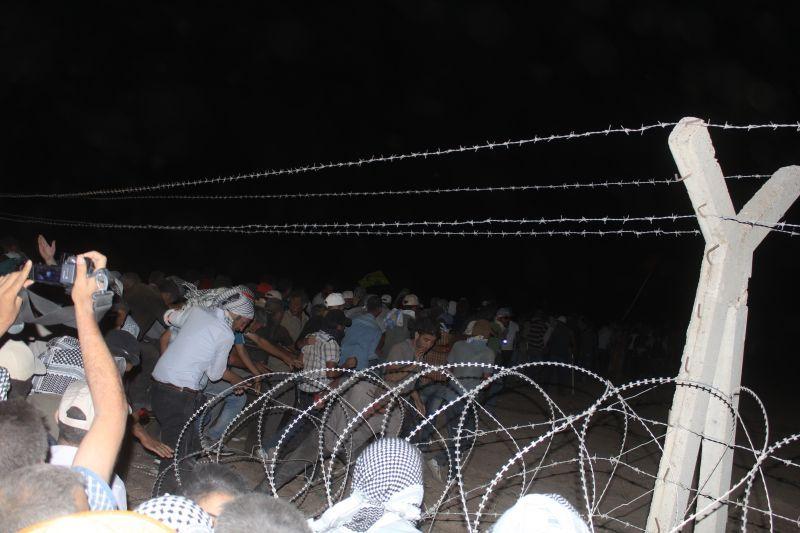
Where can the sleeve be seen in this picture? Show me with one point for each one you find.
(220, 362)
(238, 338)
(98, 493)
(331, 350)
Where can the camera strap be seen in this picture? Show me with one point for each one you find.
(51, 314)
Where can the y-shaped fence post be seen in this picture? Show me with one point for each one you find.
(715, 338)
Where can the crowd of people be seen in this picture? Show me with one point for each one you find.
(192, 352)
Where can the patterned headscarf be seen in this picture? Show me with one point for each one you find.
(5, 383)
(387, 480)
(64, 362)
(238, 300)
(543, 513)
(179, 513)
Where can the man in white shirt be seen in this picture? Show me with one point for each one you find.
(195, 356)
(74, 418)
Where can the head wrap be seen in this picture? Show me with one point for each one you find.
(179, 513)
(387, 484)
(64, 362)
(238, 300)
(5, 383)
(543, 513)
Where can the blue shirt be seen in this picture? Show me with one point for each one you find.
(361, 340)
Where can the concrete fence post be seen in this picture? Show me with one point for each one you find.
(715, 339)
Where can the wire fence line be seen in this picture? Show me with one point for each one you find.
(619, 464)
(573, 185)
(424, 154)
(423, 228)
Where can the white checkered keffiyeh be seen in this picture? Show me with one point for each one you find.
(545, 513)
(64, 362)
(315, 356)
(5, 383)
(225, 298)
(98, 493)
(177, 512)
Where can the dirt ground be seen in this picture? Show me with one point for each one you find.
(621, 500)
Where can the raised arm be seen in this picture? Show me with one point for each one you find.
(10, 302)
(99, 449)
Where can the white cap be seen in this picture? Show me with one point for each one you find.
(562, 319)
(78, 396)
(18, 359)
(334, 299)
(387, 299)
(347, 294)
(410, 299)
(274, 294)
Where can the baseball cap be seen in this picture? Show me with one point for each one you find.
(337, 317)
(122, 344)
(18, 359)
(76, 408)
(410, 300)
(481, 328)
(334, 299)
(562, 319)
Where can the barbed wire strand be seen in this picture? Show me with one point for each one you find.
(602, 184)
(424, 154)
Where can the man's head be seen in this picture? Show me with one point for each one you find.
(411, 302)
(23, 437)
(37, 493)
(177, 512)
(241, 309)
(503, 316)
(170, 293)
(385, 468)
(374, 306)
(349, 298)
(336, 321)
(212, 485)
(327, 289)
(481, 328)
(9, 244)
(18, 359)
(259, 512)
(426, 333)
(75, 414)
(296, 303)
(334, 301)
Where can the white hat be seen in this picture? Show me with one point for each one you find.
(387, 299)
(562, 319)
(18, 358)
(334, 299)
(78, 396)
(347, 294)
(410, 299)
(274, 294)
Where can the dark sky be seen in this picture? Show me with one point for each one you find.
(99, 97)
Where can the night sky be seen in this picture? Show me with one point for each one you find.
(98, 97)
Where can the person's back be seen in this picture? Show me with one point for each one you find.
(473, 350)
(560, 343)
(361, 339)
(203, 335)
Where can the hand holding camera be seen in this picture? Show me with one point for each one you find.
(87, 283)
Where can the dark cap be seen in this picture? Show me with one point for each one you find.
(123, 344)
(336, 317)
